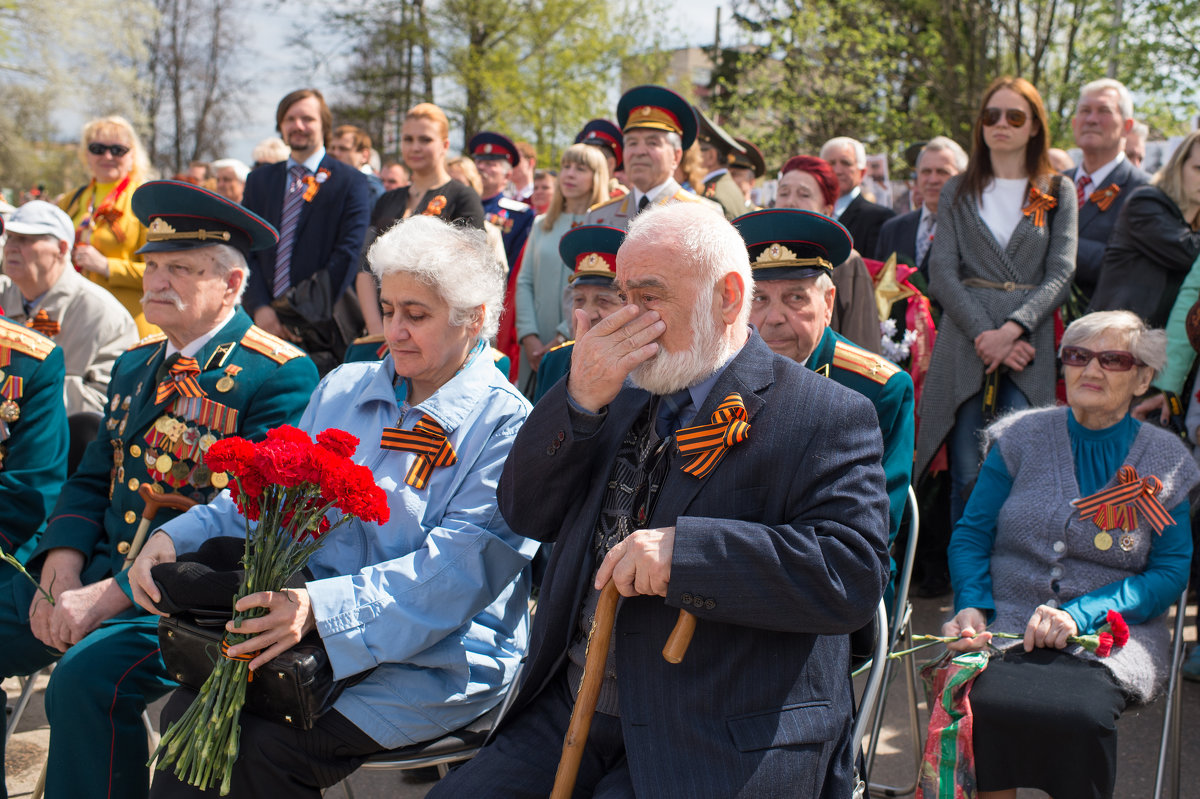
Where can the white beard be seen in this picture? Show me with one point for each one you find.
(668, 372)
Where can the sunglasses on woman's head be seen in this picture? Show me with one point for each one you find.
(116, 150)
(1110, 360)
(1014, 116)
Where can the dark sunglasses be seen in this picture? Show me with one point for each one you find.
(1014, 116)
(116, 150)
(1110, 360)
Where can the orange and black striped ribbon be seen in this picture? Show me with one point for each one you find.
(704, 445)
(181, 378)
(1118, 507)
(428, 441)
(1037, 206)
(42, 323)
(1104, 197)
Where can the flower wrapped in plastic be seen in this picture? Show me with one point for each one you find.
(286, 487)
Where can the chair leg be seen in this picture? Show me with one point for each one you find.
(908, 663)
(27, 687)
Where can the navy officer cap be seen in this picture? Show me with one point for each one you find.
(590, 251)
(605, 134)
(490, 146)
(791, 244)
(658, 108)
(183, 216)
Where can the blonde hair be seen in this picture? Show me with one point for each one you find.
(117, 127)
(432, 113)
(1169, 179)
(587, 156)
(467, 167)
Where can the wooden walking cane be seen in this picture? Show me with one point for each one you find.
(593, 678)
(154, 501)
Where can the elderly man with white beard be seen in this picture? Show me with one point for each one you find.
(698, 471)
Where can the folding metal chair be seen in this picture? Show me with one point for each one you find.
(18, 710)
(1170, 742)
(901, 638)
(869, 700)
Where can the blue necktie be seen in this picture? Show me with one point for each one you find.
(671, 408)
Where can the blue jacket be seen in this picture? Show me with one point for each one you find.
(330, 233)
(780, 552)
(436, 599)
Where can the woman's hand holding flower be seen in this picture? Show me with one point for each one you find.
(969, 625)
(1049, 628)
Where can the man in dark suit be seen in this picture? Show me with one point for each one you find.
(910, 235)
(774, 536)
(862, 218)
(1103, 117)
(320, 207)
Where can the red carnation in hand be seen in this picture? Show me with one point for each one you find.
(285, 432)
(339, 442)
(1120, 630)
(1105, 647)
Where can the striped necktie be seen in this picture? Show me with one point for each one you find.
(293, 203)
(1081, 189)
(181, 377)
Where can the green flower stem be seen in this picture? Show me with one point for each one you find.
(16, 564)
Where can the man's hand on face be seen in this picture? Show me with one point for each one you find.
(605, 354)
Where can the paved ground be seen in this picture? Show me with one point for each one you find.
(1139, 737)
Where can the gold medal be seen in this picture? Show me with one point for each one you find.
(206, 441)
(10, 411)
(220, 479)
(1103, 541)
(163, 464)
(201, 476)
(180, 470)
(1127, 542)
(162, 424)
(225, 384)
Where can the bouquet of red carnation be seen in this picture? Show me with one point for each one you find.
(285, 487)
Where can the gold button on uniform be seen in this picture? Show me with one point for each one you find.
(123, 547)
(135, 451)
(133, 484)
(130, 517)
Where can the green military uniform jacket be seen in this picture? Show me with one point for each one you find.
(890, 390)
(374, 347)
(33, 432)
(724, 191)
(553, 367)
(252, 382)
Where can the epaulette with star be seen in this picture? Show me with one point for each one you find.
(22, 339)
(153, 338)
(606, 203)
(683, 195)
(270, 345)
(560, 346)
(374, 338)
(861, 362)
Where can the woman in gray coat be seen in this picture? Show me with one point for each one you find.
(1001, 263)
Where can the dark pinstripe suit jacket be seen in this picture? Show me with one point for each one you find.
(781, 550)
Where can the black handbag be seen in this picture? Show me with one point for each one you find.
(323, 325)
(295, 688)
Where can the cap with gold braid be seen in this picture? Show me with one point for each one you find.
(182, 216)
(658, 108)
(791, 244)
(591, 252)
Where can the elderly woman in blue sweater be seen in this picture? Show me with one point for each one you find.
(1031, 555)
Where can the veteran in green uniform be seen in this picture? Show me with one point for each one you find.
(592, 251)
(718, 152)
(211, 374)
(33, 434)
(792, 253)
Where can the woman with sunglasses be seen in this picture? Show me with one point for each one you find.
(1000, 264)
(107, 234)
(1041, 550)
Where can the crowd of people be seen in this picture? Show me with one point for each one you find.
(729, 405)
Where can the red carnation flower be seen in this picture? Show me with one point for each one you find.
(1120, 630)
(1105, 647)
(285, 432)
(233, 454)
(339, 442)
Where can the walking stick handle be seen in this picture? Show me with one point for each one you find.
(589, 692)
(153, 501)
(677, 643)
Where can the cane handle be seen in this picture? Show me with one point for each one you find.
(154, 501)
(681, 636)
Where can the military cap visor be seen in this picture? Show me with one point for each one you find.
(792, 244)
(182, 216)
(657, 108)
(713, 135)
(750, 158)
(590, 252)
(493, 146)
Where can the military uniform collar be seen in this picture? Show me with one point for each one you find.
(716, 173)
(822, 355)
(655, 193)
(194, 346)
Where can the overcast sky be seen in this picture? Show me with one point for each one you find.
(273, 72)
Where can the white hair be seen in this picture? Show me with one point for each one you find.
(457, 262)
(860, 152)
(1141, 130)
(1148, 345)
(238, 167)
(1124, 98)
(674, 140)
(940, 144)
(229, 259)
(824, 282)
